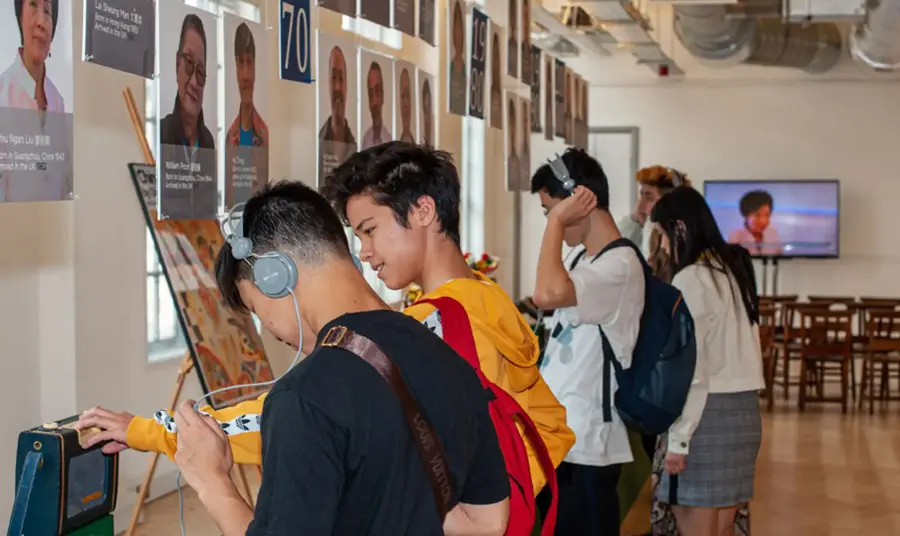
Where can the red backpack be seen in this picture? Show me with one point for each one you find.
(505, 413)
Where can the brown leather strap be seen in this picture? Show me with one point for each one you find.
(427, 441)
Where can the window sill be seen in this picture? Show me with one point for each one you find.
(168, 354)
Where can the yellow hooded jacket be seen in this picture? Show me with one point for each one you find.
(508, 351)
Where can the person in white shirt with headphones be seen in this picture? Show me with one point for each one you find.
(654, 181)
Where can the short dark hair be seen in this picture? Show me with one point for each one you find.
(755, 200)
(243, 41)
(54, 17)
(397, 174)
(583, 169)
(286, 216)
(192, 22)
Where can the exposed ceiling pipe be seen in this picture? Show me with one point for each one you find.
(876, 42)
(711, 33)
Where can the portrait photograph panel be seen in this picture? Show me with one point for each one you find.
(246, 74)
(458, 69)
(377, 90)
(427, 23)
(336, 89)
(121, 35)
(525, 144)
(512, 39)
(187, 100)
(427, 111)
(559, 90)
(405, 16)
(525, 41)
(377, 11)
(513, 160)
(495, 78)
(406, 102)
(345, 7)
(549, 102)
(36, 123)
(535, 83)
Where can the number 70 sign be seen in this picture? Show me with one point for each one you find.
(295, 54)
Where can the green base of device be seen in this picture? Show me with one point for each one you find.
(102, 527)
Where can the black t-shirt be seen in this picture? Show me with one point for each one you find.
(338, 455)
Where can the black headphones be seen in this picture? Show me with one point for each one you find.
(561, 172)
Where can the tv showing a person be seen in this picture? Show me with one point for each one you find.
(187, 163)
(405, 102)
(376, 128)
(778, 218)
(35, 90)
(496, 86)
(247, 137)
(337, 99)
(513, 168)
(457, 74)
(427, 131)
(758, 235)
(512, 41)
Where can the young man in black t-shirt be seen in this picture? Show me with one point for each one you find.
(338, 456)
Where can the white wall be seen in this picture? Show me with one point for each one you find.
(843, 130)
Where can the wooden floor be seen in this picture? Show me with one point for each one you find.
(819, 474)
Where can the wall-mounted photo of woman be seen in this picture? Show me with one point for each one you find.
(35, 90)
(496, 90)
(457, 74)
(512, 40)
(187, 167)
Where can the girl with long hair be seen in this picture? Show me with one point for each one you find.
(711, 449)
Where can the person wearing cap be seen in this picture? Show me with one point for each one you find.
(654, 182)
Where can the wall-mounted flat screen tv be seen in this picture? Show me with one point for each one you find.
(772, 218)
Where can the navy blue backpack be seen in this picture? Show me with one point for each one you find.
(653, 391)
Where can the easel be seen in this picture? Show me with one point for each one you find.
(187, 363)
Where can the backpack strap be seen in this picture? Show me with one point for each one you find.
(457, 330)
(427, 441)
(609, 361)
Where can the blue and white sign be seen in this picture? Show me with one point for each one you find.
(295, 54)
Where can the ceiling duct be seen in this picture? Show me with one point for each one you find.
(876, 42)
(714, 33)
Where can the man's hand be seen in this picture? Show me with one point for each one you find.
(574, 208)
(675, 463)
(114, 425)
(203, 454)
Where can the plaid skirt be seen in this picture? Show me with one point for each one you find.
(720, 467)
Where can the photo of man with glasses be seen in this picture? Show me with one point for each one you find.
(185, 125)
(187, 167)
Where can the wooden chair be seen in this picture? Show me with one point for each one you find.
(882, 349)
(826, 351)
(768, 349)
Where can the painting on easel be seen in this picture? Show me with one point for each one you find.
(225, 346)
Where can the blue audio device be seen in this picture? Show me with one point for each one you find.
(63, 489)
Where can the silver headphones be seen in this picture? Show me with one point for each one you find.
(274, 273)
(559, 169)
(678, 179)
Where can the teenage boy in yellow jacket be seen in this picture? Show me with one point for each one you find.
(402, 201)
